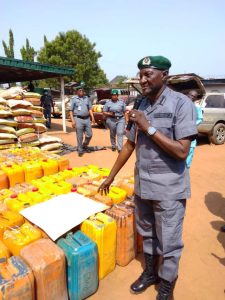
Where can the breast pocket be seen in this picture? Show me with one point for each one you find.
(164, 125)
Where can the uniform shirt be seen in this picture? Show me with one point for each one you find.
(158, 176)
(80, 106)
(46, 101)
(118, 107)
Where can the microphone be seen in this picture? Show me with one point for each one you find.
(137, 104)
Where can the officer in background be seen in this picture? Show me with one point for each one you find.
(48, 105)
(162, 131)
(80, 113)
(114, 110)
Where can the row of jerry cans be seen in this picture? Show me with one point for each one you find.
(42, 265)
(12, 174)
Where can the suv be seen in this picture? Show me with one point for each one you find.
(212, 104)
(213, 125)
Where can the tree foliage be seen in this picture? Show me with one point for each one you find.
(27, 52)
(73, 50)
(9, 50)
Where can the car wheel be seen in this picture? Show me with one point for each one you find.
(218, 134)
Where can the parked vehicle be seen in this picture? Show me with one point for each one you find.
(98, 112)
(212, 104)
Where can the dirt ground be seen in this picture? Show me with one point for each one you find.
(201, 272)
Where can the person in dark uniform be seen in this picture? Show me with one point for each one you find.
(163, 127)
(114, 110)
(30, 87)
(47, 104)
(80, 113)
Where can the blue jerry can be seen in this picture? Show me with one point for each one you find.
(82, 265)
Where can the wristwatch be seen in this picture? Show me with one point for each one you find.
(151, 130)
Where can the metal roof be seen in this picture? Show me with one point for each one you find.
(16, 70)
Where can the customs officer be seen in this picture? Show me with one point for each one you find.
(114, 110)
(80, 113)
(163, 127)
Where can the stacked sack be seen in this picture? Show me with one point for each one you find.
(8, 138)
(50, 143)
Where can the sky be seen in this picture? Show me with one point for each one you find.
(190, 33)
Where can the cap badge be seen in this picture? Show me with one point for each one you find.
(146, 61)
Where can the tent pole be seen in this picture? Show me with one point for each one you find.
(63, 103)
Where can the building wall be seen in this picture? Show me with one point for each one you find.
(215, 88)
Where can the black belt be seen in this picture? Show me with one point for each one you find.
(80, 117)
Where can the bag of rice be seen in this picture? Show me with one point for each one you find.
(8, 122)
(8, 146)
(19, 104)
(31, 144)
(7, 129)
(4, 113)
(40, 128)
(28, 137)
(39, 108)
(34, 101)
(21, 112)
(24, 131)
(39, 120)
(3, 101)
(46, 139)
(31, 95)
(23, 119)
(11, 93)
(37, 113)
(25, 125)
(7, 141)
(52, 146)
(6, 136)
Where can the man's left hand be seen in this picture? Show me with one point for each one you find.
(139, 118)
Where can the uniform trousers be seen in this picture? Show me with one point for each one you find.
(83, 132)
(161, 223)
(47, 115)
(116, 128)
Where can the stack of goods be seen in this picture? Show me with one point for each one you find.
(92, 252)
(21, 118)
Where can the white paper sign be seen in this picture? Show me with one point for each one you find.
(60, 214)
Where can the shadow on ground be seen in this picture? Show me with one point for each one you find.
(215, 203)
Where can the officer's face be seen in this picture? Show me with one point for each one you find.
(152, 80)
(114, 97)
(80, 93)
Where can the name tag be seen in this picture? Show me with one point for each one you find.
(163, 115)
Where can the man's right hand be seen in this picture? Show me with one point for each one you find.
(104, 187)
(73, 124)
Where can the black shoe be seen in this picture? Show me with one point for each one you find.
(166, 290)
(113, 149)
(80, 154)
(148, 277)
(222, 228)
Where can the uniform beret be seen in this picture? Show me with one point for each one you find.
(155, 62)
(114, 92)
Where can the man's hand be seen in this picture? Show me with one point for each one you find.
(73, 124)
(139, 118)
(104, 187)
(93, 121)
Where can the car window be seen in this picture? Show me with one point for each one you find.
(215, 101)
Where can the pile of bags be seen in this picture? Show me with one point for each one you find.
(22, 120)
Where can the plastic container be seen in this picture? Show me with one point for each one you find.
(4, 252)
(104, 199)
(63, 163)
(82, 265)
(47, 261)
(49, 166)
(4, 182)
(32, 171)
(17, 202)
(87, 190)
(16, 239)
(15, 174)
(9, 219)
(127, 186)
(16, 280)
(125, 237)
(102, 230)
(117, 194)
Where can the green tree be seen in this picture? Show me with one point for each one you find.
(27, 52)
(73, 50)
(9, 50)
